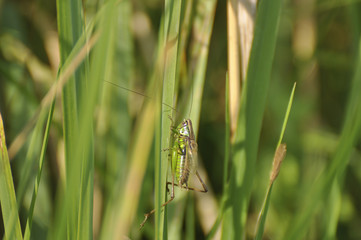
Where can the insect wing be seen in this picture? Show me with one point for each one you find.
(192, 155)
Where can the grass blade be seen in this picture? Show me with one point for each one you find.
(349, 135)
(203, 26)
(278, 158)
(9, 207)
(37, 181)
(33, 152)
(227, 152)
(172, 18)
(250, 119)
(78, 160)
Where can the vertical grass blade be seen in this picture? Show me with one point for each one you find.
(278, 158)
(28, 228)
(70, 28)
(77, 115)
(9, 207)
(172, 20)
(203, 26)
(27, 172)
(227, 152)
(320, 191)
(250, 119)
(233, 56)
(114, 127)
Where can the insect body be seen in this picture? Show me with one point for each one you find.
(183, 160)
(184, 153)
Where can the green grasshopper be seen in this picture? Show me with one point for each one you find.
(183, 156)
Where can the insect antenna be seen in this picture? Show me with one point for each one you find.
(191, 101)
(141, 94)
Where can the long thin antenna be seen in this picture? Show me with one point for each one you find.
(114, 84)
(190, 109)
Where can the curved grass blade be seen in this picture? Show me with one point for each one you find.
(320, 191)
(9, 206)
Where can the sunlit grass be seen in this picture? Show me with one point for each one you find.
(92, 158)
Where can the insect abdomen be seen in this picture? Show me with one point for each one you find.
(182, 169)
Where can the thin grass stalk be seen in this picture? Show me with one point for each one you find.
(334, 204)
(349, 135)
(227, 151)
(172, 15)
(9, 207)
(176, 211)
(280, 153)
(250, 119)
(27, 171)
(227, 137)
(203, 26)
(190, 233)
(28, 228)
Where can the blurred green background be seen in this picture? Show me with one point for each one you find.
(317, 47)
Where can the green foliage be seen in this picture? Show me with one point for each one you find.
(8, 200)
(85, 159)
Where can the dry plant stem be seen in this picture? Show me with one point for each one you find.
(246, 15)
(233, 63)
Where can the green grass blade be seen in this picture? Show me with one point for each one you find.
(28, 228)
(171, 41)
(79, 190)
(285, 120)
(227, 138)
(203, 26)
(28, 173)
(139, 149)
(263, 213)
(331, 218)
(9, 207)
(68, 13)
(227, 152)
(190, 216)
(321, 189)
(250, 119)
(278, 158)
(114, 123)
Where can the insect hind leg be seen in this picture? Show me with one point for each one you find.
(147, 215)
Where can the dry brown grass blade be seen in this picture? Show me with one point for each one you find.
(246, 10)
(233, 63)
